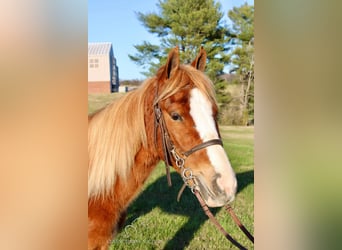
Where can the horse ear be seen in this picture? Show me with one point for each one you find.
(172, 62)
(200, 60)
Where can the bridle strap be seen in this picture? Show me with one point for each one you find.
(203, 145)
(166, 142)
(218, 225)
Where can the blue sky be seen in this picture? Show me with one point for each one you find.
(115, 21)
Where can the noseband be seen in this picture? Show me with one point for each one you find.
(170, 152)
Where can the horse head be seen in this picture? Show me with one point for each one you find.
(189, 138)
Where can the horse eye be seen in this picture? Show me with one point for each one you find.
(176, 117)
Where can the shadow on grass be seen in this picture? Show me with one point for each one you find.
(158, 194)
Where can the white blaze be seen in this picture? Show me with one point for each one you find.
(202, 115)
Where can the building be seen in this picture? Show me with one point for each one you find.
(103, 72)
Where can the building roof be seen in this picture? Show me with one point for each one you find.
(100, 48)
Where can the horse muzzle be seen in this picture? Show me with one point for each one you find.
(216, 194)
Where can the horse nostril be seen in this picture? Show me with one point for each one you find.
(231, 198)
(228, 188)
(216, 185)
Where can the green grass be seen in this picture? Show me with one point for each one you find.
(156, 220)
(97, 101)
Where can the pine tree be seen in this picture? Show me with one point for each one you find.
(242, 57)
(188, 24)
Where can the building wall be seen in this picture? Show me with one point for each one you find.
(99, 87)
(98, 68)
(114, 73)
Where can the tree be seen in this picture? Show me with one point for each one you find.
(188, 24)
(242, 57)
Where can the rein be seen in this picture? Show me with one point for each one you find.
(189, 179)
(229, 209)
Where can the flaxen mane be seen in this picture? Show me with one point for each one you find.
(117, 132)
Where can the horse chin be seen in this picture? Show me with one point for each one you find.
(211, 198)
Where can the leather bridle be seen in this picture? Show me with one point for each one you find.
(169, 148)
(170, 152)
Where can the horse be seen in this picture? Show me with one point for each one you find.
(174, 111)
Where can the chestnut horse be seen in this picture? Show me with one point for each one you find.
(124, 145)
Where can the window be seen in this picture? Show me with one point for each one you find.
(93, 63)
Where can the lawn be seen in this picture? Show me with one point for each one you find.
(97, 101)
(157, 221)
